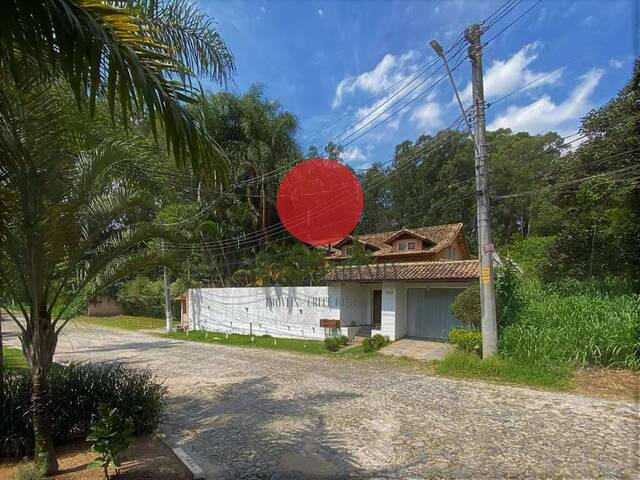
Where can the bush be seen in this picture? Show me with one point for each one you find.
(31, 471)
(75, 392)
(466, 340)
(585, 329)
(110, 436)
(508, 299)
(531, 253)
(333, 344)
(372, 344)
(466, 307)
(144, 297)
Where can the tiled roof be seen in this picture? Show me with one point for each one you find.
(442, 236)
(451, 270)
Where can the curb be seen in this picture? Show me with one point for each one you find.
(196, 471)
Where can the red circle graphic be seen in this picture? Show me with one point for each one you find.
(320, 201)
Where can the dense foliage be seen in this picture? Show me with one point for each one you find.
(466, 340)
(76, 391)
(466, 307)
(372, 344)
(583, 329)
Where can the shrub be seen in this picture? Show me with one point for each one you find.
(531, 253)
(31, 471)
(466, 340)
(75, 392)
(142, 296)
(332, 344)
(110, 436)
(508, 299)
(371, 344)
(466, 307)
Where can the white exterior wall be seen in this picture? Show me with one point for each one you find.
(293, 312)
(388, 320)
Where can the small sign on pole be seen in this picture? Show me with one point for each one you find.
(485, 275)
(489, 247)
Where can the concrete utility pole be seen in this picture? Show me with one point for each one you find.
(485, 246)
(167, 294)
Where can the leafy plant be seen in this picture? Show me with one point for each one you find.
(466, 340)
(466, 307)
(31, 470)
(75, 394)
(332, 343)
(508, 301)
(110, 435)
(375, 343)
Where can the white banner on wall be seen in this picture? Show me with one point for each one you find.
(293, 312)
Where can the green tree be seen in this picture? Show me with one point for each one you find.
(599, 233)
(73, 220)
(140, 54)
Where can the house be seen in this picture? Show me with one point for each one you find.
(406, 289)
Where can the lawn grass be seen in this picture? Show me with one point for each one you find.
(123, 322)
(292, 344)
(505, 370)
(13, 358)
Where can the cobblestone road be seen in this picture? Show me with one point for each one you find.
(246, 413)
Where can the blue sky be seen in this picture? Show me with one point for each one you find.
(329, 62)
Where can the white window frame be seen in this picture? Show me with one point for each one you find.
(348, 250)
(412, 245)
(402, 246)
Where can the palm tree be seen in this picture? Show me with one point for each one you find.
(73, 216)
(140, 54)
(269, 146)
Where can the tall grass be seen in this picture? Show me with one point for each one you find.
(584, 328)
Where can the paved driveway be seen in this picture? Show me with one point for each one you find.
(246, 413)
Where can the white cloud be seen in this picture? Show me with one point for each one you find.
(353, 155)
(505, 76)
(391, 69)
(263, 9)
(427, 116)
(321, 12)
(543, 114)
(615, 63)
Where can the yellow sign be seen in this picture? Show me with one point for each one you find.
(485, 275)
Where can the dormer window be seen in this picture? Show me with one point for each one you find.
(406, 245)
(348, 250)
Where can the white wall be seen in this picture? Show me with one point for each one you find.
(388, 323)
(293, 312)
(354, 305)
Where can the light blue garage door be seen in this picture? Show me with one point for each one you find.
(429, 312)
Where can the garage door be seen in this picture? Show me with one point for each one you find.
(429, 312)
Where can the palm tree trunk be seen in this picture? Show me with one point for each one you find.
(38, 345)
(44, 451)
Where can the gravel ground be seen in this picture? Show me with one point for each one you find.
(250, 413)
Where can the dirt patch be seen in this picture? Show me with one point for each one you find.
(147, 458)
(608, 383)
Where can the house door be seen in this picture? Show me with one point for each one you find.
(377, 308)
(429, 312)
